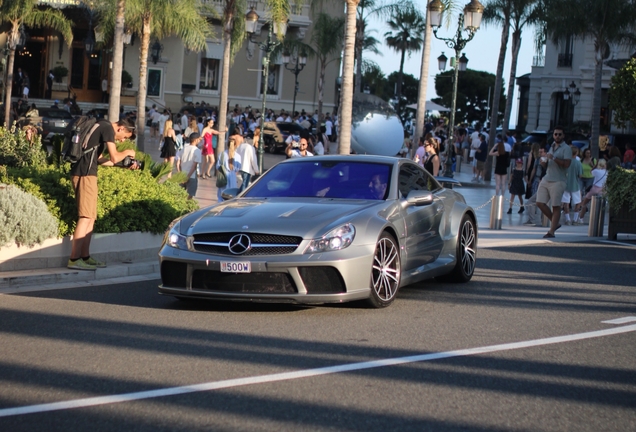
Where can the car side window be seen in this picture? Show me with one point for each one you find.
(412, 177)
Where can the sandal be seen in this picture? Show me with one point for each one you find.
(548, 235)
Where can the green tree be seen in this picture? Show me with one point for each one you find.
(375, 79)
(15, 14)
(472, 94)
(407, 26)
(607, 22)
(497, 12)
(326, 40)
(410, 86)
(622, 95)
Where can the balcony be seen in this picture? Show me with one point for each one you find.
(564, 61)
(538, 61)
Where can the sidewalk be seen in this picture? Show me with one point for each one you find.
(145, 266)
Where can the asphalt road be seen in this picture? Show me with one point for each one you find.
(78, 344)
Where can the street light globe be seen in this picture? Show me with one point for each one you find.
(280, 28)
(463, 63)
(473, 13)
(286, 56)
(441, 61)
(251, 18)
(436, 12)
(303, 58)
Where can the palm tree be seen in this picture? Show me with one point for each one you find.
(118, 60)
(407, 26)
(607, 22)
(163, 18)
(497, 12)
(326, 40)
(346, 96)
(18, 13)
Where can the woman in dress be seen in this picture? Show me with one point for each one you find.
(432, 162)
(517, 188)
(501, 166)
(207, 151)
(231, 162)
(168, 146)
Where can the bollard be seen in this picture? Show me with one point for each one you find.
(496, 212)
(597, 216)
(458, 163)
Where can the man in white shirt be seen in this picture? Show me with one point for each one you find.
(281, 117)
(328, 127)
(474, 146)
(188, 160)
(162, 121)
(300, 151)
(155, 117)
(249, 163)
(184, 120)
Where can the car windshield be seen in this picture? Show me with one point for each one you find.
(329, 179)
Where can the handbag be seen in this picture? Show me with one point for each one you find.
(221, 175)
(589, 188)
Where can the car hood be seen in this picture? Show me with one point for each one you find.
(307, 218)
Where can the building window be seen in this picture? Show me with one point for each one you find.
(565, 56)
(209, 77)
(273, 76)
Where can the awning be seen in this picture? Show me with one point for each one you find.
(430, 106)
(214, 50)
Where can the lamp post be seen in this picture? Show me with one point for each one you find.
(155, 52)
(301, 61)
(468, 22)
(267, 46)
(571, 96)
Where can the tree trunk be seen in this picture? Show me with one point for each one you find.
(516, 44)
(118, 60)
(421, 95)
(596, 101)
(398, 92)
(9, 85)
(359, 40)
(494, 114)
(344, 121)
(321, 83)
(143, 78)
(225, 82)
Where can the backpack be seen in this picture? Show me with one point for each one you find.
(76, 140)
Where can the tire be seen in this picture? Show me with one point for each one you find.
(385, 272)
(272, 147)
(466, 253)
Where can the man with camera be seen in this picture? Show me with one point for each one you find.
(84, 179)
(296, 149)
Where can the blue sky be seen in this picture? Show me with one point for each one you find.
(482, 53)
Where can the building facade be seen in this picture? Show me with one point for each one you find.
(177, 76)
(562, 85)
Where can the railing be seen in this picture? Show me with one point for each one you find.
(565, 60)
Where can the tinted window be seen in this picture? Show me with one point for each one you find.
(56, 113)
(412, 177)
(330, 179)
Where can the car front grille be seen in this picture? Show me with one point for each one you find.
(174, 274)
(255, 283)
(261, 244)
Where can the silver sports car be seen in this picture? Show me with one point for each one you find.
(320, 230)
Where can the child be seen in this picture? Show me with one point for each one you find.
(517, 186)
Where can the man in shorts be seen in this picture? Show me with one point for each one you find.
(84, 179)
(553, 185)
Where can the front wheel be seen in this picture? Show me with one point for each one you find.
(385, 272)
(466, 253)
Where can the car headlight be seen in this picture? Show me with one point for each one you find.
(336, 239)
(175, 239)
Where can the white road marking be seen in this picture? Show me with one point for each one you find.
(262, 379)
(623, 320)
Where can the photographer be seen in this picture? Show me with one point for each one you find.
(84, 179)
(297, 149)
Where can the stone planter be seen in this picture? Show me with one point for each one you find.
(621, 220)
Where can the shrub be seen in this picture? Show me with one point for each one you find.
(620, 187)
(16, 151)
(24, 219)
(127, 201)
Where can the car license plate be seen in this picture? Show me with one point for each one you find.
(60, 124)
(236, 267)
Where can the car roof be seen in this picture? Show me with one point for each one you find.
(54, 113)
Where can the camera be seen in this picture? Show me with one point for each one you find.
(129, 162)
(295, 144)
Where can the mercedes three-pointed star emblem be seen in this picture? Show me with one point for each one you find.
(239, 244)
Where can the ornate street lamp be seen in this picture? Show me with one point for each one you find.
(301, 61)
(267, 46)
(155, 51)
(468, 22)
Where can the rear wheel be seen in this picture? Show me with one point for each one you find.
(272, 147)
(386, 272)
(466, 253)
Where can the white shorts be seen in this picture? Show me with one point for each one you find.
(574, 196)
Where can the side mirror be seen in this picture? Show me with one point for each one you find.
(419, 198)
(230, 193)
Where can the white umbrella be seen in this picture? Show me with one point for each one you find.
(430, 106)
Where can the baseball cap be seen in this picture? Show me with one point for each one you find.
(520, 161)
(57, 101)
(194, 136)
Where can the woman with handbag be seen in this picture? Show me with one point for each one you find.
(600, 176)
(588, 164)
(227, 167)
